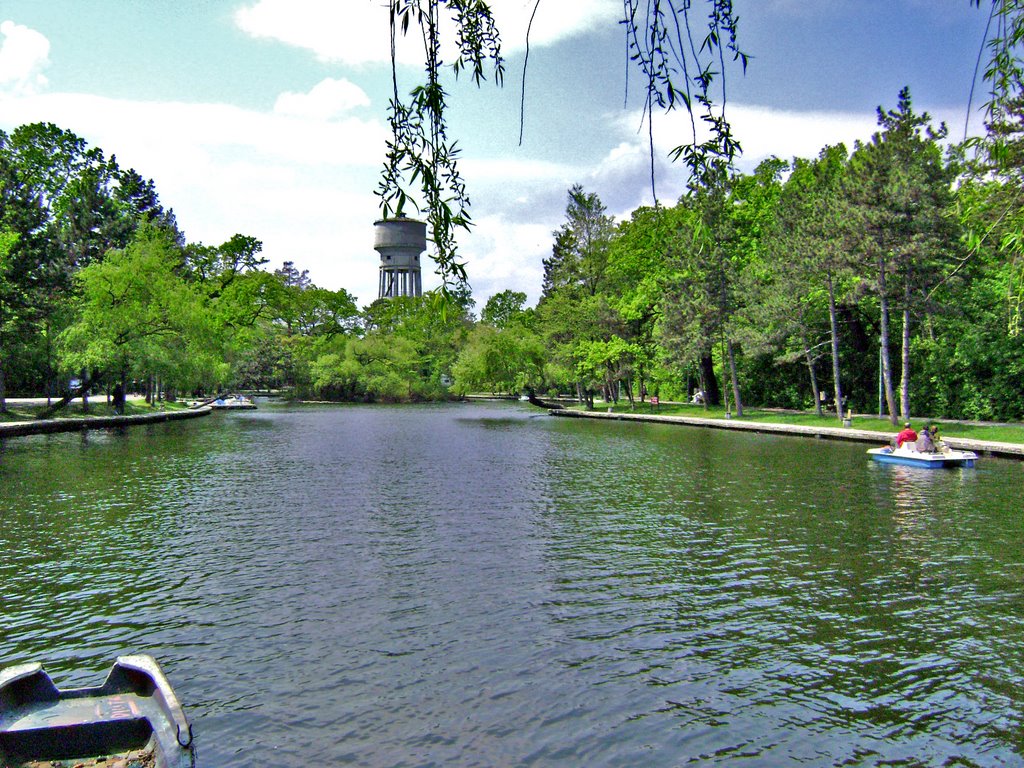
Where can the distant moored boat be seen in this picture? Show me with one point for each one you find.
(235, 402)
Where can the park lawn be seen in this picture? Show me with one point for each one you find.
(1002, 433)
(98, 407)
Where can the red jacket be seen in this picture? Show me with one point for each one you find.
(906, 436)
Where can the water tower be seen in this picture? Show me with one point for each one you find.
(399, 242)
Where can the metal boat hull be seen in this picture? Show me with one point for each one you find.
(134, 717)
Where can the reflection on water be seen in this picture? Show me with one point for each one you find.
(480, 585)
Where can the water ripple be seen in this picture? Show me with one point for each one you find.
(475, 586)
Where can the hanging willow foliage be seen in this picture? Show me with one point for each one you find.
(997, 220)
(680, 69)
(682, 60)
(420, 169)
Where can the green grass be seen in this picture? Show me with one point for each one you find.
(995, 432)
(97, 407)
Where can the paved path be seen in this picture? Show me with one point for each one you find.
(1009, 450)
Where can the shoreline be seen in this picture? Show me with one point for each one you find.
(849, 434)
(52, 426)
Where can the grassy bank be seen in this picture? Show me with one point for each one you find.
(1004, 433)
(98, 407)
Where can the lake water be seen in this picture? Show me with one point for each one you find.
(485, 585)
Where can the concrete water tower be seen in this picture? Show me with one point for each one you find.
(399, 242)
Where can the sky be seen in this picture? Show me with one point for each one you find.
(268, 118)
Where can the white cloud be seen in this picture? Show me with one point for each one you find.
(165, 130)
(24, 54)
(301, 178)
(302, 185)
(351, 32)
(327, 100)
(555, 20)
(524, 201)
(356, 32)
(761, 131)
(506, 256)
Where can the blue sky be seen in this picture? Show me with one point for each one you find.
(268, 117)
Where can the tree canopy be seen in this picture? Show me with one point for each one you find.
(890, 273)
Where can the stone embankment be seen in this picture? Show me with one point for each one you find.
(47, 426)
(988, 447)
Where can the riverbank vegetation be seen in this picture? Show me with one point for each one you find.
(887, 277)
(974, 430)
(883, 277)
(888, 274)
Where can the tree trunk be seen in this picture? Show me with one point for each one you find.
(49, 363)
(85, 391)
(905, 355)
(814, 376)
(120, 393)
(834, 330)
(735, 380)
(883, 301)
(3, 385)
(81, 391)
(712, 395)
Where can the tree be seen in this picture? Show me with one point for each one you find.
(605, 364)
(637, 273)
(900, 192)
(69, 205)
(136, 315)
(680, 67)
(690, 317)
(138, 200)
(991, 205)
(751, 217)
(499, 359)
(217, 268)
(9, 299)
(809, 262)
(560, 267)
(503, 308)
(30, 269)
(717, 254)
(581, 244)
(420, 152)
(574, 307)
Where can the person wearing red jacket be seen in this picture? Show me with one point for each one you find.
(908, 435)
